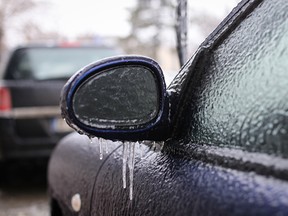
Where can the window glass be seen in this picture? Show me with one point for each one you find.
(242, 97)
(54, 63)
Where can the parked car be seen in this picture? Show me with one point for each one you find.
(215, 142)
(30, 85)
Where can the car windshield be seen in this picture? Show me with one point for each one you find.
(54, 63)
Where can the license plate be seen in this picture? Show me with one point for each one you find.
(58, 125)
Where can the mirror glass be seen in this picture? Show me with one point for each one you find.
(119, 96)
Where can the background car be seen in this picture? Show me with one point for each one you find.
(30, 85)
(223, 120)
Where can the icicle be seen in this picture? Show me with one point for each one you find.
(106, 148)
(140, 149)
(131, 168)
(100, 140)
(154, 146)
(157, 146)
(124, 167)
(91, 140)
(161, 145)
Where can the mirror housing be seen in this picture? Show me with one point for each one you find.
(118, 98)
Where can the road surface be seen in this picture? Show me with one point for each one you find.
(23, 190)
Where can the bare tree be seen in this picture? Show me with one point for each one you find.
(31, 32)
(10, 9)
(148, 20)
(206, 22)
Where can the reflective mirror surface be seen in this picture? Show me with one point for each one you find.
(119, 96)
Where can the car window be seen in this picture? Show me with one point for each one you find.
(240, 99)
(53, 63)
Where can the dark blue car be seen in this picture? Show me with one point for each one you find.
(215, 142)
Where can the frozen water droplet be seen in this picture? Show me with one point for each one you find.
(91, 141)
(100, 148)
(131, 168)
(124, 166)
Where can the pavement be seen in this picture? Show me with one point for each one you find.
(23, 188)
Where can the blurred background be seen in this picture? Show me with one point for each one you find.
(145, 27)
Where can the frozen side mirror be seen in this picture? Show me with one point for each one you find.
(118, 98)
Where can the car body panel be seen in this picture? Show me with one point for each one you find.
(209, 166)
(60, 172)
(174, 184)
(170, 182)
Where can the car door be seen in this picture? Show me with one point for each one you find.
(228, 151)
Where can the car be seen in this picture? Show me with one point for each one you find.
(215, 142)
(30, 85)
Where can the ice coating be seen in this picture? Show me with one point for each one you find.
(242, 98)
